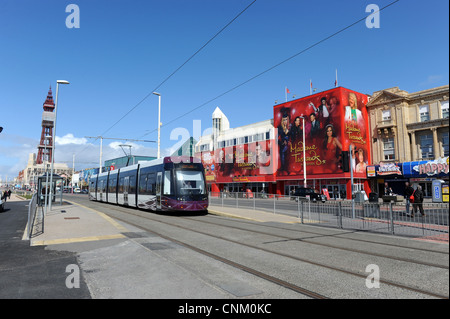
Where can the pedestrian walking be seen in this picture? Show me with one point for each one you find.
(408, 192)
(387, 190)
(9, 193)
(418, 201)
(5, 195)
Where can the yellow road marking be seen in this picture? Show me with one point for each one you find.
(113, 222)
(74, 240)
(109, 219)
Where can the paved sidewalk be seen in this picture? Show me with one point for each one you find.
(72, 223)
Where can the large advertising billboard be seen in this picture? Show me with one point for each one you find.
(334, 120)
(250, 162)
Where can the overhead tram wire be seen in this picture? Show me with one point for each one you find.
(173, 73)
(273, 67)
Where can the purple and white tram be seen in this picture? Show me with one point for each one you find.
(165, 184)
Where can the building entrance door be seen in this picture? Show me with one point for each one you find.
(337, 191)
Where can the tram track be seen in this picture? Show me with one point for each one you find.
(331, 246)
(277, 281)
(307, 292)
(340, 235)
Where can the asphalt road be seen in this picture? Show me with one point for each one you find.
(32, 272)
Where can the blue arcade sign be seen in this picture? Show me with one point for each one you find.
(436, 168)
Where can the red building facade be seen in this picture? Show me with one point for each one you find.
(333, 121)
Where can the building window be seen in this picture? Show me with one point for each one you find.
(217, 125)
(424, 113)
(445, 144)
(444, 109)
(426, 146)
(386, 115)
(388, 148)
(204, 148)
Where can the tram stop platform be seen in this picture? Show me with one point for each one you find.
(75, 223)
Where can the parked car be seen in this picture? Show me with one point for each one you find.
(303, 193)
(2, 205)
(77, 190)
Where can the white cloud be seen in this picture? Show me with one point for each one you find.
(70, 139)
(431, 80)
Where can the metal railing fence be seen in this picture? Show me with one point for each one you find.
(390, 218)
(32, 209)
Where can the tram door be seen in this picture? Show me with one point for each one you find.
(100, 188)
(126, 187)
(158, 190)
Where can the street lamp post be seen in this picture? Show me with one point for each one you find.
(159, 124)
(58, 82)
(304, 153)
(46, 138)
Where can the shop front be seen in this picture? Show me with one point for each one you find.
(423, 173)
(390, 174)
(417, 173)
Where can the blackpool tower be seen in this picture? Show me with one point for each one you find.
(48, 119)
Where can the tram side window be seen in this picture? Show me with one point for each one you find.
(151, 184)
(102, 186)
(143, 185)
(112, 185)
(121, 184)
(147, 184)
(132, 189)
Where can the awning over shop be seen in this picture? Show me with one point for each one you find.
(437, 168)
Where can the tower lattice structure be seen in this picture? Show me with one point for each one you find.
(48, 119)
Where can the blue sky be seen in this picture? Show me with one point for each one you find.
(124, 49)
